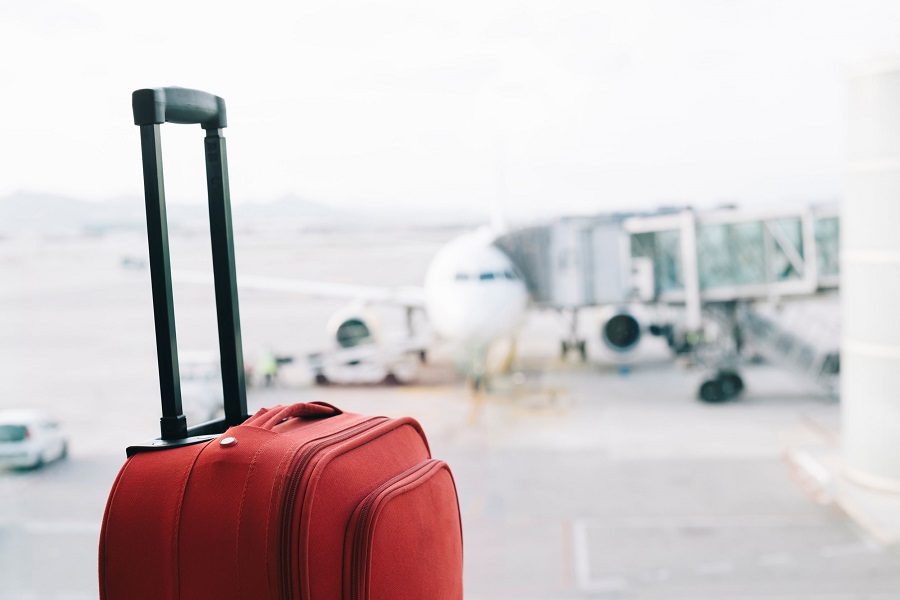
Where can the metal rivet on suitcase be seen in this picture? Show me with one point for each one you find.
(229, 441)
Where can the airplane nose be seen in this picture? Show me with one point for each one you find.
(477, 317)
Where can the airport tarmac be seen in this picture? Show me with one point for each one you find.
(575, 481)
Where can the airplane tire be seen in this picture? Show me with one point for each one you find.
(731, 383)
(564, 349)
(711, 392)
(582, 350)
(391, 380)
(321, 379)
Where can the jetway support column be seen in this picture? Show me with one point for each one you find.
(690, 272)
(870, 280)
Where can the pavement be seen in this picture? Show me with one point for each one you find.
(575, 481)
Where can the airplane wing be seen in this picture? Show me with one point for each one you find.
(405, 296)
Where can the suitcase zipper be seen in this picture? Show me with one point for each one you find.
(359, 565)
(302, 462)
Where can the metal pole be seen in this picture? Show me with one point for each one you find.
(690, 271)
(172, 424)
(231, 354)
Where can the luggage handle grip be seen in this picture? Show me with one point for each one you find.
(267, 418)
(153, 106)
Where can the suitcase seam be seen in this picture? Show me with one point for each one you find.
(237, 545)
(177, 523)
(104, 591)
(286, 457)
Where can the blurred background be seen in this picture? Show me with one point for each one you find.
(631, 264)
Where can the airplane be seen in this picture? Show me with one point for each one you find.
(472, 296)
(478, 287)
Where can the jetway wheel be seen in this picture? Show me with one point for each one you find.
(711, 392)
(726, 385)
(731, 383)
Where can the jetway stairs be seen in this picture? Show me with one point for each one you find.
(803, 336)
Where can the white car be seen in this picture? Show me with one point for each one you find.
(28, 439)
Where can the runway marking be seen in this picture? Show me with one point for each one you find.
(567, 572)
(850, 550)
(28, 595)
(586, 581)
(719, 567)
(581, 552)
(776, 560)
(705, 522)
(832, 437)
(54, 527)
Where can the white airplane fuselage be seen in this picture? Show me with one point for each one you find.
(473, 294)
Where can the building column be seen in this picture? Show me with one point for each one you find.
(870, 279)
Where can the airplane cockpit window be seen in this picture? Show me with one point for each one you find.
(509, 275)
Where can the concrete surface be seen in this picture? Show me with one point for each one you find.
(575, 481)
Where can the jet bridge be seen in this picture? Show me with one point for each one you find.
(720, 265)
(731, 255)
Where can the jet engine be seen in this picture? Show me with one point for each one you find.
(354, 326)
(621, 332)
(361, 355)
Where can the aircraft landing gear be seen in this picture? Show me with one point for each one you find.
(574, 343)
(575, 346)
(726, 385)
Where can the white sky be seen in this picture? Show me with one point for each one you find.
(575, 105)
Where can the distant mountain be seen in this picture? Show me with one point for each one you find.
(291, 212)
(51, 214)
(27, 212)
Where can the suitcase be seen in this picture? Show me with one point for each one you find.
(302, 501)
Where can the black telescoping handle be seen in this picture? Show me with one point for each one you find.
(180, 105)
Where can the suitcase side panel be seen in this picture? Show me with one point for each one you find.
(343, 477)
(416, 544)
(138, 549)
(404, 541)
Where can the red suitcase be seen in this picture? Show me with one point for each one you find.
(303, 501)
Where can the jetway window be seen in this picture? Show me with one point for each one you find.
(664, 248)
(828, 243)
(787, 238)
(731, 254)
